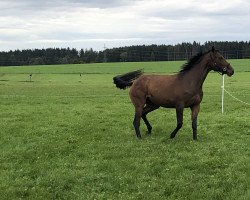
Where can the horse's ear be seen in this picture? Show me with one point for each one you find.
(213, 49)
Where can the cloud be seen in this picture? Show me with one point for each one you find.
(85, 24)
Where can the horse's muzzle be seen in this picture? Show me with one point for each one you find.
(229, 70)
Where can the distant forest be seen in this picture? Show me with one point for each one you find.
(183, 51)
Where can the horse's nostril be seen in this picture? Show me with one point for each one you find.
(230, 72)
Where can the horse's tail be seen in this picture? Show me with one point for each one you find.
(126, 80)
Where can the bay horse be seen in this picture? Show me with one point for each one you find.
(179, 91)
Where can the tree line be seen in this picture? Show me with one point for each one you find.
(138, 53)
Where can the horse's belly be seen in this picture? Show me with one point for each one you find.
(166, 103)
(175, 101)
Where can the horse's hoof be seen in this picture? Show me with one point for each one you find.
(150, 130)
(139, 137)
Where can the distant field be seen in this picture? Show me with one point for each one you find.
(66, 136)
(112, 68)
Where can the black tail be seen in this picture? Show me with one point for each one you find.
(126, 80)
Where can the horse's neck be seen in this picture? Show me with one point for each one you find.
(197, 75)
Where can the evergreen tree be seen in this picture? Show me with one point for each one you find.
(138, 53)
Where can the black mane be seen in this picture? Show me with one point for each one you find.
(192, 61)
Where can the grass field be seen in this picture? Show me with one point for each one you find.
(66, 136)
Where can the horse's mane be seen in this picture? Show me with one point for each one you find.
(191, 62)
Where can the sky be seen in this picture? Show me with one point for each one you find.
(99, 24)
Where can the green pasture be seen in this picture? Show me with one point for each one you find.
(68, 134)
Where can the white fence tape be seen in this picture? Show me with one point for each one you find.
(222, 95)
(236, 98)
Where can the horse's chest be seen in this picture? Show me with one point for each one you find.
(193, 100)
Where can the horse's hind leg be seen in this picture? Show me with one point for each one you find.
(139, 100)
(179, 116)
(136, 122)
(147, 109)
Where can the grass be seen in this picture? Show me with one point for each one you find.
(66, 136)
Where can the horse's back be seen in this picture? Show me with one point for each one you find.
(147, 82)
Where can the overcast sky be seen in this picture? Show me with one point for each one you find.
(93, 23)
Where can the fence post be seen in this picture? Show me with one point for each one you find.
(222, 93)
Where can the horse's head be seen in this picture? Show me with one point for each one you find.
(219, 64)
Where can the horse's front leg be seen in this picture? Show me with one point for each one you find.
(179, 117)
(195, 110)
